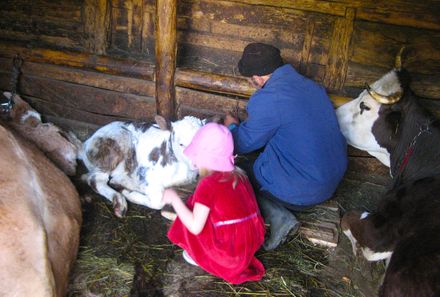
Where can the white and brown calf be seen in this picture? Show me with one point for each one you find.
(40, 219)
(136, 161)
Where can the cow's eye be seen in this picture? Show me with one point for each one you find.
(363, 107)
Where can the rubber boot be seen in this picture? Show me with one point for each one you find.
(281, 220)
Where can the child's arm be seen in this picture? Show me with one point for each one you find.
(193, 220)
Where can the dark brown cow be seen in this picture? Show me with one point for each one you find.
(388, 121)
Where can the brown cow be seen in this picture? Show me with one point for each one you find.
(40, 219)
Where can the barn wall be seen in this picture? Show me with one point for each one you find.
(92, 61)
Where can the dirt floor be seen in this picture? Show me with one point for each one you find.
(133, 257)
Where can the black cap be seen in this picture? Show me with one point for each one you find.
(259, 59)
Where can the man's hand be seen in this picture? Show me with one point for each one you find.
(229, 119)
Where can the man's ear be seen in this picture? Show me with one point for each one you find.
(259, 81)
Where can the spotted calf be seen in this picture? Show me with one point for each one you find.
(136, 161)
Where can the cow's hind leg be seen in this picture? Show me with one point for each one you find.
(98, 181)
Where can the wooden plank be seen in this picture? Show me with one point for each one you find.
(368, 169)
(377, 45)
(410, 14)
(234, 12)
(262, 33)
(65, 42)
(16, 36)
(421, 14)
(424, 85)
(96, 25)
(206, 59)
(223, 84)
(307, 44)
(54, 25)
(212, 41)
(328, 7)
(321, 40)
(88, 99)
(219, 48)
(201, 113)
(147, 34)
(237, 86)
(320, 225)
(127, 25)
(339, 51)
(90, 78)
(49, 109)
(104, 64)
(210, 103)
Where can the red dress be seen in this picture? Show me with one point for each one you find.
(233, 232)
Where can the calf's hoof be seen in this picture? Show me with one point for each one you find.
(119, 206)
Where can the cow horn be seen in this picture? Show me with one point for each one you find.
(390, 99)
(398, 61)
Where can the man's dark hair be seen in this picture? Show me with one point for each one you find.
(259, 59)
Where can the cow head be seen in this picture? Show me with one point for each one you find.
(369, 121)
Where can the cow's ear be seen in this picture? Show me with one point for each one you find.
(162, 122)
(218, 119)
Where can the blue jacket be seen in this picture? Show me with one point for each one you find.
(305, 154)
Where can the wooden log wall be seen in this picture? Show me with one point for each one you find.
(92, 61)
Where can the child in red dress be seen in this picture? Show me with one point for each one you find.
(220, 228)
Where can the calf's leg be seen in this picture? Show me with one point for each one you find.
(98, 181)
(152, 197)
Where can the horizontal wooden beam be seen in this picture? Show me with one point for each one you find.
(417, 15)
(216, 83)
(68, 96)
(80, 65)
(104, 64)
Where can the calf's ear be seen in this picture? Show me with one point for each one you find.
(218, 119)
(162, 122)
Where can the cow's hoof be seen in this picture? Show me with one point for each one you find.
(119, 206)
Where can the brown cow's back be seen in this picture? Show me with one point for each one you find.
(40, 219)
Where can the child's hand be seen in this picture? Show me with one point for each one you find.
(169, 195)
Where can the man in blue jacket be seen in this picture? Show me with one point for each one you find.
(304, 154)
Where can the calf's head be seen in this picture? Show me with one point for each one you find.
(182, 133)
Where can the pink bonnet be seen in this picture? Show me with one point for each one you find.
(212, 148)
